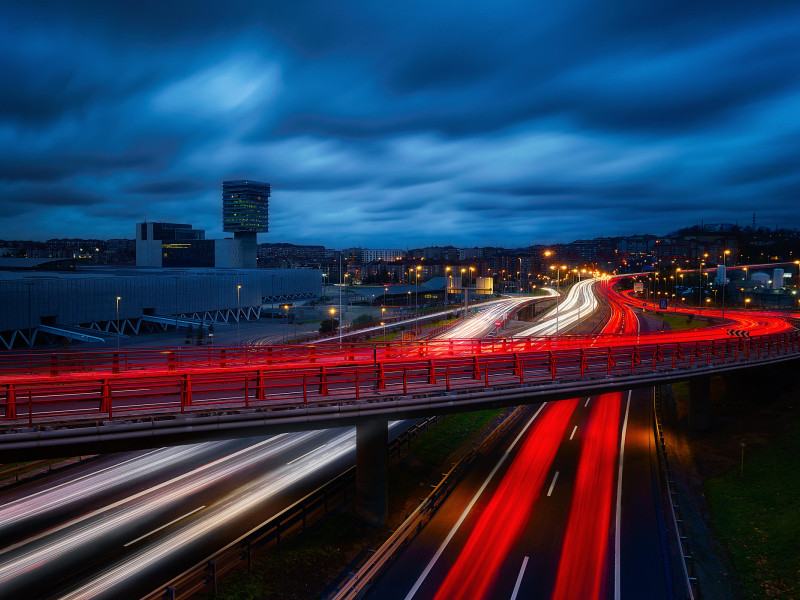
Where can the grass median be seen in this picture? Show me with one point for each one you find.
(309, 562)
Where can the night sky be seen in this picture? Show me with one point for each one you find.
(397, 124)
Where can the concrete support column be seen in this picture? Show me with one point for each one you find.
(699, 402)
(372, 471)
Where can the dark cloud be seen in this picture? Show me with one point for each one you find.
(167, 186)
(416, 122)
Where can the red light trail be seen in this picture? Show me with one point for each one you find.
(582, 571)
(502, 522)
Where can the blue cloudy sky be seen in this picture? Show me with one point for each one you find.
(396, 124)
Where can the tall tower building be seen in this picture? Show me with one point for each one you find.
(245, 212)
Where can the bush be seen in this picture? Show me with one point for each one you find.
(329, 325)
(363, 321)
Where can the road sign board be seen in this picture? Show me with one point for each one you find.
(738, 333)
(498, 323)
(662, 303)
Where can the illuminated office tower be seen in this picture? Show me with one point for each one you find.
(245, 212)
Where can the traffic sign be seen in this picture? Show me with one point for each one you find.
(662, 303)
(498, 323)
(738, 333)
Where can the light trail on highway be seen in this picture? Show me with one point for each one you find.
(483, 321)
(562, 542)
(579, 303)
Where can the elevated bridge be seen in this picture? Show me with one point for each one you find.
(176, 398)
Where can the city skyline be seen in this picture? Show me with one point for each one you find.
(414, 126)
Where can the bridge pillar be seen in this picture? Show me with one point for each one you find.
(372, 471)
(699, 402)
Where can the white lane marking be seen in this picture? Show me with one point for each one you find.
(138, 539)
(519, 578)
(472, 502)
(93, 473)
(306, 454)
(587, 402)
(619, 501)
(574, 429)
(552, 485)
(140, 494)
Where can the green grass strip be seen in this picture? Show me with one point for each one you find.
(757, 517)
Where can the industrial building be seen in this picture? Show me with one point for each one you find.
(93, 304)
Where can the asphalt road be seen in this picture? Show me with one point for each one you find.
(566, 508)
(115, 527)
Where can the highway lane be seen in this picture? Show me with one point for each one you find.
(579, 304)
(566, 548)
(559, 516)
(482, 323)
(239, 490)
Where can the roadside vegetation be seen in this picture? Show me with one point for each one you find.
(677, 321)
(752, 493)
(755, 511)
(309, 563)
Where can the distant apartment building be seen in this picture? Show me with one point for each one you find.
(369, 255)
(470, 253)
(290, 255)
(443, 253)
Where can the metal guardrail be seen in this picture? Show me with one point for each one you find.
(293, 520)
(403, 371)
(687, 560)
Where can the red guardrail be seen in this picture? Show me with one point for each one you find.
(198, 386)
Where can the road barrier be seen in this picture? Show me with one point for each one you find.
(678, 527)
(422, 368)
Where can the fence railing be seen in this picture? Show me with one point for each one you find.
(677, 523)
(57, 364)
(400, 372)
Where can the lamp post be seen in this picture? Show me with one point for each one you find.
(447, 289)
(383, 323)
(416, 301)
(238, 336)
(176, 303)
(272, 293)
(118, 331)
(286, 321)
(724, 278)
(28, 284)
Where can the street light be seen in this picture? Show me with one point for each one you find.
(724, 278)
(286, 321)
(118, 331)
(416, 301)
(448, 285)
(383, 323)
(238, 316)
